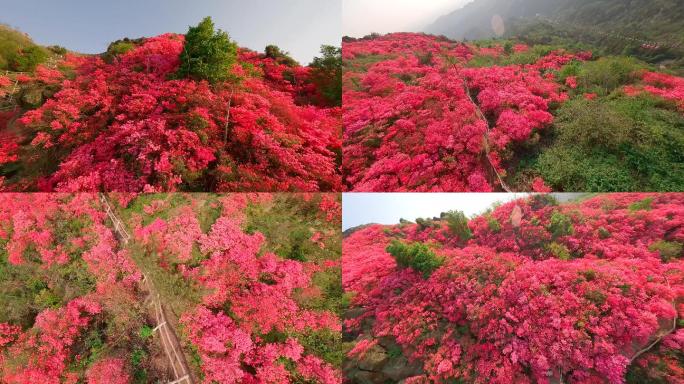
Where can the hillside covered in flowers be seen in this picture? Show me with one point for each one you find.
(425, 113)
(254, 281)
(531, 291)
(72, 308)
(143, 117)
(251, 284)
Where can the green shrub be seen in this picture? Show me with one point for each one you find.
(603, 233)
(207, 54)
(669, 250)
(560, 225)
(618, 144)
(416, 256)
(118, 48)
(493, 224)
(274, 52)
(608, 73)
(27, 59)
(457, 223)
(560, 251)
(57, 49)
(11, 42)
(641, 205)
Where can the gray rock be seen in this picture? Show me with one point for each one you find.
(32, 98)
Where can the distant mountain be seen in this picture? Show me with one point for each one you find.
(649, 19)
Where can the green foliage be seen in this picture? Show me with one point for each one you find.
(29, 288)
(11, 42)
(595, 296)
(641, 205)
(27, 59)
(542, 200)
(145, 332)
(603, 233)
(323, 343)
(207, 54)
(424, 224)
(530, 56)
(607, 74)
(426, 59)
(560, 251)
(274, 52)
(457, 223)
(493, 224)
(120, 47)
(57, 49)
(416, 256)
(326, 74)
(615, 144)
(669, 250)
(560, 225)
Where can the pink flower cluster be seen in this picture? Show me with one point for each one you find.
(541, 292)
(248, 294)
(42, 231)
(666, 86)
(123, 126)
(412, 117)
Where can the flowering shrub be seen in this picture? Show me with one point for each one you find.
(122, 125)
(108, 371)
(423, 113)
(257, 311)
(417, 119)
(666, 86)
(583, 292)
(74, 282)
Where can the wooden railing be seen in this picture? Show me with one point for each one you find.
(167, 335)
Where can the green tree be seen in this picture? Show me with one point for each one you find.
(326, 74)
(274, 52)
(208, 54)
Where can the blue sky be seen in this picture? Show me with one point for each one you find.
(388, 208)
(88, 26)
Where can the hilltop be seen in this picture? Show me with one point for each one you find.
(141, 117)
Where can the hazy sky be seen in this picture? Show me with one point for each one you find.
(88, 26)
(361, 17)
(388, 208)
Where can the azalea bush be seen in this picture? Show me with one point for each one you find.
(424, 113)
(254, 278)
(72, 306)
(580, 292)
(162, 114)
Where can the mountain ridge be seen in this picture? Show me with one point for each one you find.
(652, 19)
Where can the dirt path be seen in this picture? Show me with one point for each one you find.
(164, 329)
(482, 117)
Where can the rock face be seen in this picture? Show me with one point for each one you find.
(384, 363)
(32, 97)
